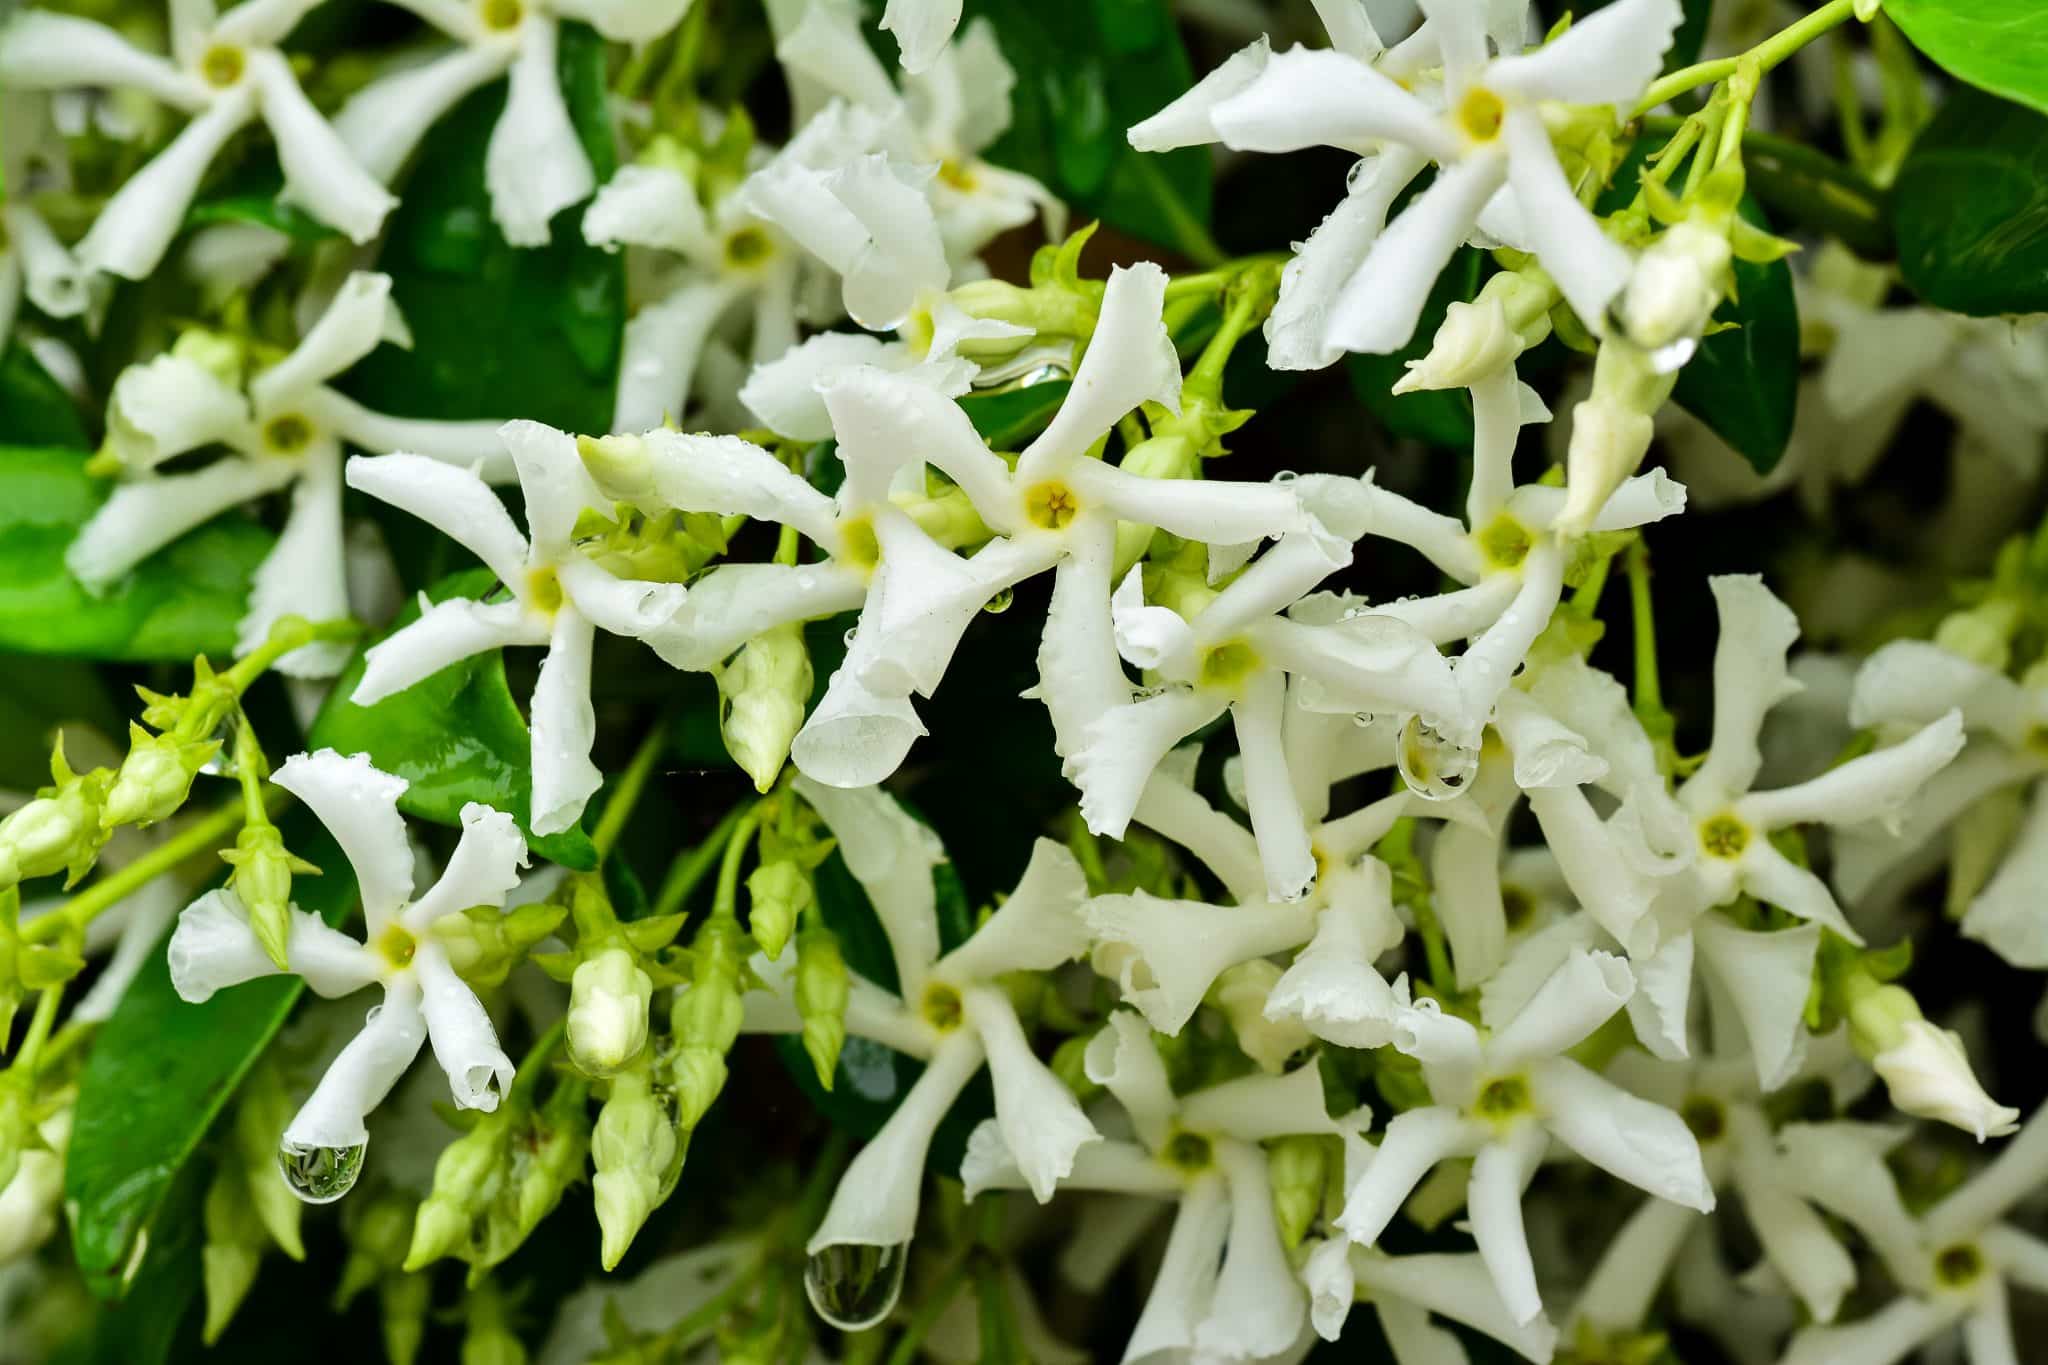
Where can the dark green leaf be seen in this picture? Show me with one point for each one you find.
(37, 696)
(1970, 208)
(1086, 71)
(262, 210)
(183, 600)
(150, 1323)
(34, 409)
(161, 1071)
(1811, 189)
(500, 331)
(1439, 416)
(1008, 420)
(1995, 45)
(455, 737)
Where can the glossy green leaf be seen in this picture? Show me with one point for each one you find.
(160, 1072)
(1009, 419)
(1969, 211)
(498, 330)
(1439, 416)
(455, 737)
(1995, 45)
(37, 697)
(183, 600)
(34, 409)
(1086, 71)
(156, 1317)
(259, 209)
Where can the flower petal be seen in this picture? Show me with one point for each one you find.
(1297, 330)
(534, 166)
(319, 171)
(922, 29)
(136, 226)
(305, 573)
(383, 122)
(1165, 954)
(358, 1080)
(732, 603)
(355, 321)
(359, 805)
(892, 856)
(1499, 1172)
(1124, 1060)
(1581, 995)
(1257, 1108)
(464, 1042)
(1186, 121)
(1130, 361)
(213, 947)
(483, 869)
(453, 501)
(1871, 787)
(1121, 749)
(45, 50)
(1589, 266)
(1307, 97)
(1259, 1306)
(1036, 929)
(1041, 1121)
(1378, 310)
(663, 343)
(564, 727)
(1608, 57)
(1186, 1283)
(171, 405)
(1631, 1139)
(445, 633)
(1415, 1141)
(856, 736)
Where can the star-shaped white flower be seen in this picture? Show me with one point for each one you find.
(559, 595)
(535, 165)
(424, 1001)
(226, 72)
(285, 428)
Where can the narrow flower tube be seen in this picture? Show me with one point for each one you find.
(1180, 947)
(1258, 1305)
(1042, 1123)
(357, 1081)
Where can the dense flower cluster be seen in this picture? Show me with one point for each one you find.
(1389, 954)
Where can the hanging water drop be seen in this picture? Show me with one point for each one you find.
(1000, 602)
(320, 1175)
(1285, 476)
(853, 1286)
(1434, 768)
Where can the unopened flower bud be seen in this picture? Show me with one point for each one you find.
(556, 1146)
(1477, 340)
(821, 992)
(462, 1175)
(1982, 634)
(1676, 285)
(235, 1242)
(763, 693)
(1608, 442)
(621, 466)
(29, 1201)
(155, 778)
(1297, 1167)
(1929, 1075)
(635, 1151)
(54, 833)
(1240, 992)
(484, 943)
(262, 880)
(379, 1231)
(777, 893)
(608, 999)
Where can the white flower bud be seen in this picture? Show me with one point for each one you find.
(1676, 286)
(1929, 1075)
(1477, 340)
(608, 998)
(28, 1203)
(1608, 441)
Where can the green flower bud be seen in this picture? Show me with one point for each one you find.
(235, 1242)
(484, 944)
(262, 1110)
(262, 879)
(378, 1230)
(17, 1126)
(762, 694)
(1983, 634)
(636, 1154)
(405, 1300)
(59, 831)
(490, 1339)
(467, 1176)
(621, 466)
(821, 991)
(1240, 993)
(1297, 1167)
(155, 778)
(554, 1154)
(30, 1200)
(777, 893)
(608, 1000)
(707, 1018)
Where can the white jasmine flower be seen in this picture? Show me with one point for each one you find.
(1487, 133)
(535, 165)
(225, 72)
(922, 29)
(1501, 1098)
(951, 108)
(424, 1000)
(1203, 1147)
(559, 595)
(285, 428)
(1720, 1102)
(1405, 1291)
(947, 1010)
(1955, 1264)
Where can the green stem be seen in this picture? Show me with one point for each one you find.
(251, 767)
(1244, 308)
(1586, 597)
(1206, 283)
(288, 634)
(689, 868)
(1643, 619)
(207, 833)
(725, 901)
(1435, 951)
(38, 1029)
(930, 1310)
(619, 809)
(535, 1064)
(1768, 53)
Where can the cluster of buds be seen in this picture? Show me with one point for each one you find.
(636, 1153)
(495, 1183)
(61, 830)
(612, 973)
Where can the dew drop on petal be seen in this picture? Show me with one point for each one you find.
(853, 1286)
(1434, 768)
(1000, 602)
(320, 1175)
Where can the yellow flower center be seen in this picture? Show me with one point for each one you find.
(287, 434)
(222, 65)
(956, 174)
(1051, 505)
(860, 547)
(500, 15)
(1226, 666)
(1479, 114)
(544, 590)
(396, 946)
(1502, 1098)
(748, 247)
(1189, 1152)
(1724, 836)
(1705, 1116)
(1958, 1265)
(941, 1007)
(1503, 542)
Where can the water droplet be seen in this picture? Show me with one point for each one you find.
(1000, 602)
(1285, 476)
(1434, 768)
(222, 764)
(1365, 720)
(320, 1175)
(847, 639)
(807, 581)
(852, 1286)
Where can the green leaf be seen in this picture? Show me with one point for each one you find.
(183, 600)
(1086, 71)
(34, 409)
(39, 696)
(1969, 208)
(148, 1325)
(161, 1071)
(1439, 416)
(262, 210)
(1995, 45)
(499, 330)
(455, 737)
